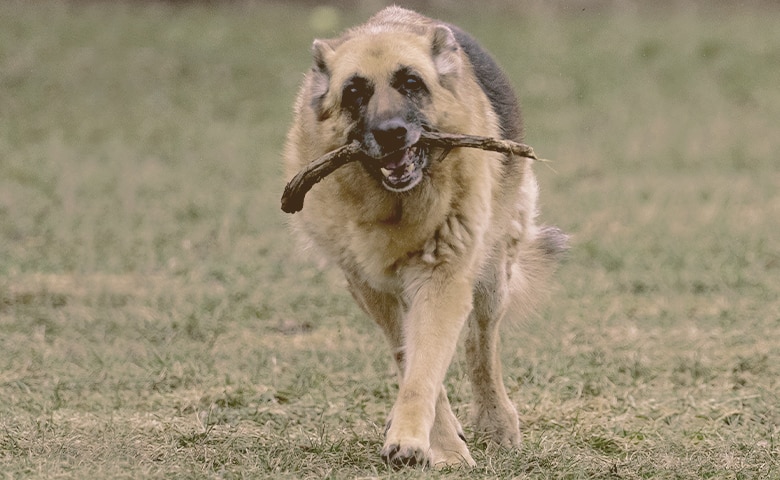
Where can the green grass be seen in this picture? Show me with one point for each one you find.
(156, 320)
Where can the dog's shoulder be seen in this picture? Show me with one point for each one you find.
(494, 83)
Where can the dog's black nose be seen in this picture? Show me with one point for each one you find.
(390, 134)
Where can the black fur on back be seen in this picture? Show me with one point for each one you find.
(494, 83)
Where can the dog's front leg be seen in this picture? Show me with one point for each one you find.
(438, 309)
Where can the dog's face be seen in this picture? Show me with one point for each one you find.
(381, 89)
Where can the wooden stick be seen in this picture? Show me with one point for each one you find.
(303, 181)
(454, 140)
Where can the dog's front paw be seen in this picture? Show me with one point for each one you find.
(409, 455)
(405, 450)
(451, 453)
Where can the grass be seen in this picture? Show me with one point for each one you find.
(157, 322)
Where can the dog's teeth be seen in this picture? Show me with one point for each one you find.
(386, 172)
(410, 168)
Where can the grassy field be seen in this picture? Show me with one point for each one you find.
(157, 322)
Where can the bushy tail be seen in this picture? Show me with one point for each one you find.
(553, 242)
(535, 265)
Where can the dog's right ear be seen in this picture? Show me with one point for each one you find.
(321, 51)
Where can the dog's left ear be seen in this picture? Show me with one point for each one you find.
(444, 49)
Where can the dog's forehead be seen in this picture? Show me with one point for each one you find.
(378, 56)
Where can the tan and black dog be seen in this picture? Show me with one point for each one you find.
(427, 246)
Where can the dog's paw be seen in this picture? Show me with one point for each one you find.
(451, 452)
(409, 455)
(407, 442)
(508, 437)
(448, 443)
(499, 425)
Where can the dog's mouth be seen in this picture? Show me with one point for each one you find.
(401, 170)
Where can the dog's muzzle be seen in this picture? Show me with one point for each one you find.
(402, 168)
(399, 171)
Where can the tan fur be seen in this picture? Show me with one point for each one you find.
(454, 249)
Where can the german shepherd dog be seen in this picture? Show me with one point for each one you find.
(426, 244)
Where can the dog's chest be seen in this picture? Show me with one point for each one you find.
(381, 251)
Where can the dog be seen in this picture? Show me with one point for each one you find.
(428, 244)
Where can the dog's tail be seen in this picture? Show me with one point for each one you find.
(534, 267)
(553, 242)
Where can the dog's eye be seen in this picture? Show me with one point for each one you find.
(352, 91)
(352, 95)
(408, 82)
(412, 83)
(356, 91)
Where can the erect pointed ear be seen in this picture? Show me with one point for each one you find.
(321, 52)
(444, 48)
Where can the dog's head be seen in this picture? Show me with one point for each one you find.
(383, 84)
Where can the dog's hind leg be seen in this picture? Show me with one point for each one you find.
(494, 415)
(517, 278)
